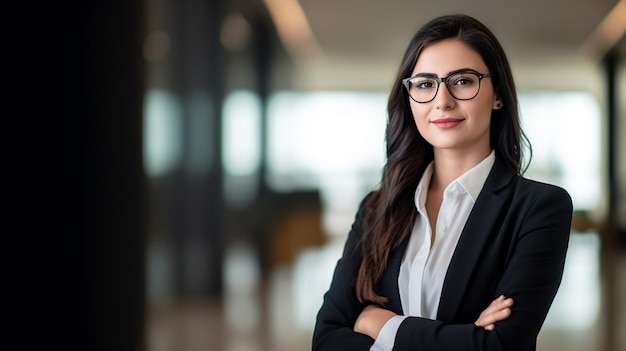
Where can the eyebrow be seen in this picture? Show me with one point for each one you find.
(433, 75)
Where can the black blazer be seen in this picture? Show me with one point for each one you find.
(513, 244)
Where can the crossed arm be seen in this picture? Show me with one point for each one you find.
(373, 318)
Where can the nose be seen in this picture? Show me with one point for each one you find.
(443, 99)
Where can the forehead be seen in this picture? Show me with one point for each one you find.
(446, 56)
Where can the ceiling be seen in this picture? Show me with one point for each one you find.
(359, 43)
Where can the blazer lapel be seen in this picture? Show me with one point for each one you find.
(473, 237)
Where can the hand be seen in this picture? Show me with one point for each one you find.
(371, 320)
(498, 310)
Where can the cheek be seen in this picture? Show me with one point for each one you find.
(482, 110)
(419, 111)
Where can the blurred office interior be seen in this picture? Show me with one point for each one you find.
(222, 147)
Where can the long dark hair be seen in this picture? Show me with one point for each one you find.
(390, 211)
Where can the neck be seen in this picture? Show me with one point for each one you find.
(451, 164)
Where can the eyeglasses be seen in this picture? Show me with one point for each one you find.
(462, 85)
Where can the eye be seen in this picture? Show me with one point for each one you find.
(423, 83)
(463, 80)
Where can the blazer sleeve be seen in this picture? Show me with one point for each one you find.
(534, 267)
(340, 308)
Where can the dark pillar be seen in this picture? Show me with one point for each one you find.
(610, 64)
(104, 94)
(263, 47)
(198, 234)
(609, 232)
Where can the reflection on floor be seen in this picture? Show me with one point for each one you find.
(280, 314)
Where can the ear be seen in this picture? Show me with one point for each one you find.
(497, 102)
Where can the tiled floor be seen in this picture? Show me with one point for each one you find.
(279, 315)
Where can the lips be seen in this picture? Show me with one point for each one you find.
(446, 123)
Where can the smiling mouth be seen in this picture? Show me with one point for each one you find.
(445, 123)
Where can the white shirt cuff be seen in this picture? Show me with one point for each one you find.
(387, 336)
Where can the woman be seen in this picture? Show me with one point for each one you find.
(455, 250)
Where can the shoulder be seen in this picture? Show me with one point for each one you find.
(519, 189)
(367, 202)
(533, 189)
(534, 203)
(354, 241)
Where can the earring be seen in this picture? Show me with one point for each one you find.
(498, 105)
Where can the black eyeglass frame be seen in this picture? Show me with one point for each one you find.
(444, 80)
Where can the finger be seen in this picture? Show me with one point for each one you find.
(498, 310)
(503, 302)
(491, 318)
(498, 304)
(508, 302)
(497, 316)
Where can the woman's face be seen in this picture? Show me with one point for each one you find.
(445, 122)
